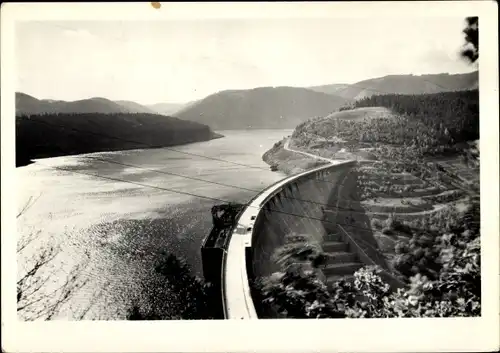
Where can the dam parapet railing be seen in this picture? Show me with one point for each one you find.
(294, 204)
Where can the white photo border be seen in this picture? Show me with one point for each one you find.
(353, 335)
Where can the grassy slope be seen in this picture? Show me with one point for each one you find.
(361, 113)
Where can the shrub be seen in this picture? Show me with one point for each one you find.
(296, 293)
(390, 221)
(301, 248)
(455, 293)
(401, 227)
(387, 231)
(443, 280)
(376, 223)
(422, 254)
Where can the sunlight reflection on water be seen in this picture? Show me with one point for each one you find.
(121, 227)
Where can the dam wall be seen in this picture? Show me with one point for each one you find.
(353, 223)
(295, 204)
(298, 206)
(322, 202)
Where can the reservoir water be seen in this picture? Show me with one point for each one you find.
(115, 212)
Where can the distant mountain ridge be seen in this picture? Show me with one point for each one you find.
(26, 104)
(286, 107)
(330, 89)
(168, 108)
(50, 128)
(135, 107)
(262, 107)
(403, 84)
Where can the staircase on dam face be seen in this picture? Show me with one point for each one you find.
(342, 262)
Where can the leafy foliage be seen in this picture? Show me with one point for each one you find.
(442, 271)
(363, 298)
(455, 293)
(471, 31)
(296, 293)
(427, 251)
(300, 248)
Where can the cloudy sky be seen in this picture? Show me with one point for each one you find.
(179, 61)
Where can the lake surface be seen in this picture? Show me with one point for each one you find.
(119, 210)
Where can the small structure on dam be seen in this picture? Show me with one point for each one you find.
(214, 247)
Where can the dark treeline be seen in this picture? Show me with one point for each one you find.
(454, 112)
(59, 134)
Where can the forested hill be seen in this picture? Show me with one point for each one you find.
(404, 84)
(53, 134)
(410, 127)
(455, 112)
(261, 108)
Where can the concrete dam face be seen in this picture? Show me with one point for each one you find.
(299, 207)
(323, 203)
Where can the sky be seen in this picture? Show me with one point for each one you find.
(183, 60)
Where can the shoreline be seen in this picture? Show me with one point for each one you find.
(31, 160)
(289, 162)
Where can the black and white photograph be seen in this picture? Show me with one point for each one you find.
(250, 168)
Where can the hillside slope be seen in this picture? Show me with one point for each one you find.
(261, 108)
(370, 112)
(52, 135)
(404, 84)
(429, 123)
(418, 153)
(26, 104)
(329, 89)
(92, 105)
(134, 107)
(166, 108)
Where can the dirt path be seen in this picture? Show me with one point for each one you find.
(287, 147)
